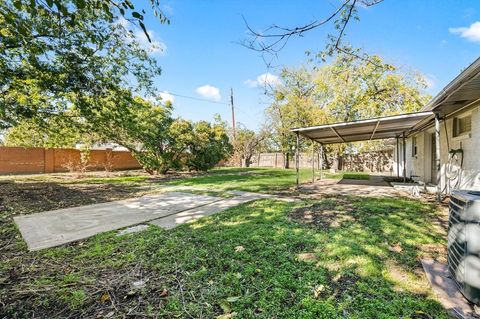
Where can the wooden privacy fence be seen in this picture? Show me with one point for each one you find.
(20, 160)
(378, 161)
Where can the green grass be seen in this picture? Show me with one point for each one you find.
(332, 259)
(246, 179)
(356, 175)
(220, 179)
(347, 175)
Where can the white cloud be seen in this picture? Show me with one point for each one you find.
(265, 79)
(471, 33)
(209, 92)
(165, 96)
(155, 47)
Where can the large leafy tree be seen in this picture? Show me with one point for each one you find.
(295, 104)
(56, 53)
(248, 143)
(57, 131)
(155, 138)
(209, 145)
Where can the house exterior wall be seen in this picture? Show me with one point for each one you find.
(420, 165)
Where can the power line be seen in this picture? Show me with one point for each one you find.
(214, 102)
(195, 98)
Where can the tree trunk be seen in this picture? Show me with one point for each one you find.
(340, 162)
(326, 163)
(286, 162)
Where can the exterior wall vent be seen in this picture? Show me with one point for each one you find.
(464, 242)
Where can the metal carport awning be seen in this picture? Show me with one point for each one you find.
(364, 130)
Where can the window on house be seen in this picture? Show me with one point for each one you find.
(462, 125)
(414, 146)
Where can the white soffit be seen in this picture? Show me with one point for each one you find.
(460, 93)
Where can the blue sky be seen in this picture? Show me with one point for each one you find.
(202, 57)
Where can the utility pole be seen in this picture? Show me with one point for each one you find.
(233, 114)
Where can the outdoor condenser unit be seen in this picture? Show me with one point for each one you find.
(464, 242)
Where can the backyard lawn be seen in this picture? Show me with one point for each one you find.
(335, 257)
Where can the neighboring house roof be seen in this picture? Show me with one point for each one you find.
(459, 94)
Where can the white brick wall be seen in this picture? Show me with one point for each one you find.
(420, 164)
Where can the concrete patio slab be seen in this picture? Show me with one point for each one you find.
(330, 187)
(57, 227)
(446, 290)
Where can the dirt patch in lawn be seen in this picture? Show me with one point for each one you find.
(20, 269)
(33, 197)
(324, 215)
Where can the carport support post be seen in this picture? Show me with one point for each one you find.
(404, 159)
(398, 159)
(437, 156)
(321, 161)
(297, 164)
(313, 162)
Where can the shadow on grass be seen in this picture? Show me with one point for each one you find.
(263, 259)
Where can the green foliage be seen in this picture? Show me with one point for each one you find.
(57, 131)
(57, 53)
(247, 143)
(159, 142)
(209, 145)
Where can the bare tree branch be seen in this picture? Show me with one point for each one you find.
(274, 38)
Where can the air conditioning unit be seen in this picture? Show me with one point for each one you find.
(464, 242)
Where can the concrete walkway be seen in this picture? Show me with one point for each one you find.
(57, 227)
(206, 210)
(166, 210)
(446, 290)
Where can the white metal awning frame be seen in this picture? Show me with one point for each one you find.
(395, 126)
(366, 130)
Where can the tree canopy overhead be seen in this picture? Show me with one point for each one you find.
(59, 53)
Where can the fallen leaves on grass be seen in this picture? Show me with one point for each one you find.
(239, 249)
